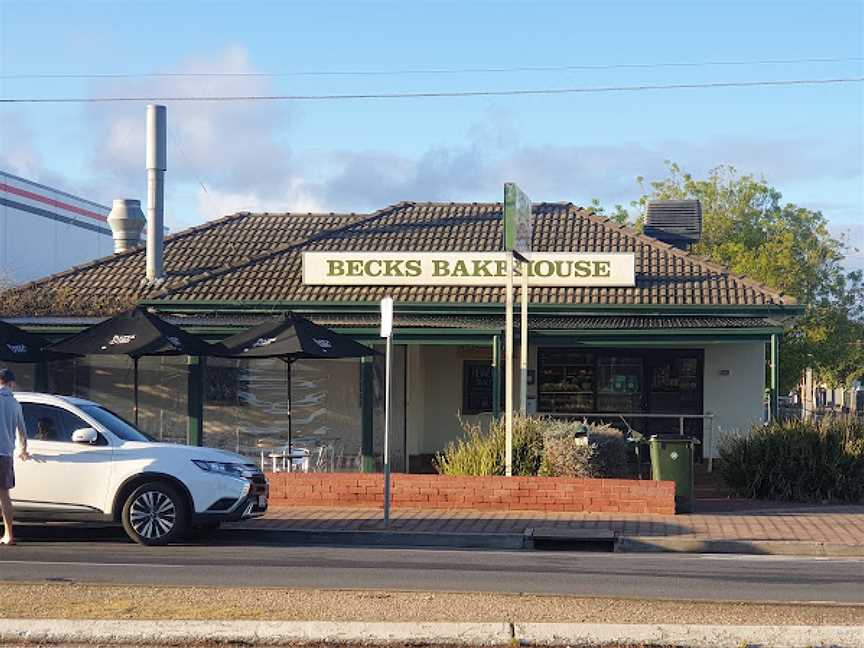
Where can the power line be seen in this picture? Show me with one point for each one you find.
(435, 94)
(438, 71)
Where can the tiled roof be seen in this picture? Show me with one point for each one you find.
(257, 257)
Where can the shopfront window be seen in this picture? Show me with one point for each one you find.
(574, 381)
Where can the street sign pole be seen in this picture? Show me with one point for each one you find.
(523, 342)
(387, 332)
(518, 231)
(508, 369)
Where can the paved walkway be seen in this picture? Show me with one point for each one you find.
(717, 520)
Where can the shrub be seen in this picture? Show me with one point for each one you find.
(797, 461)
(541, 446)
(481, 452)
(611, 450)
(568, 456)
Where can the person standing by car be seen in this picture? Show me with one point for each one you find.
(11, 424)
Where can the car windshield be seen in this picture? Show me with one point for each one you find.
(119, 426)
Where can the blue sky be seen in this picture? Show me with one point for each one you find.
(362, 155)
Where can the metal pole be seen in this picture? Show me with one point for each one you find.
(523, 339)
(774, 405)
(508, 369)
(156, 165)
(290, 415)
(387, 397)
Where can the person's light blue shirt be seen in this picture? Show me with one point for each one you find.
(11, 423)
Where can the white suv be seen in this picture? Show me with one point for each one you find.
(90, 464)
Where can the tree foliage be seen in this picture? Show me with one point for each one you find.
(790, 249)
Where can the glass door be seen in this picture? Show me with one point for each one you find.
(675, 387)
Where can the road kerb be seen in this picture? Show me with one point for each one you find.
(264, 633)
(704, 636)
(126, 632)
(652, 544)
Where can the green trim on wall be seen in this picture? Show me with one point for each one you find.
(463, 308)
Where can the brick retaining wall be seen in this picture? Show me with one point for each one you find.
(489, 493)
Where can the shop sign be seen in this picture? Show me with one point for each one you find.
(518, 219)
(466, 269)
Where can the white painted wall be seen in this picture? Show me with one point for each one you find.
(735, 399)
(441, 396)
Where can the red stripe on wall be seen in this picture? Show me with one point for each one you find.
(52, 202)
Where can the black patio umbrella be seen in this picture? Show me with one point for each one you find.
(135, 333)
(290, 338)
(17, 345)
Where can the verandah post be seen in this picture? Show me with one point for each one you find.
(496, 376)
(195, 400)
(367, 392)
(775, 376)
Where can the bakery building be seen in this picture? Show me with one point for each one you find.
(686, 347)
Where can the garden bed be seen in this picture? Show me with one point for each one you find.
(565, 494)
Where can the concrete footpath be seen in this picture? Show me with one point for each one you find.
(57, 631)
(718, 526)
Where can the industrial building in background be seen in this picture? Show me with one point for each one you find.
(44, 230)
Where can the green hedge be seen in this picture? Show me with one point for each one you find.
(797, 461)
(541, 446)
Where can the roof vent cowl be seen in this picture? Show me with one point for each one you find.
(127, 222)
(677, 222)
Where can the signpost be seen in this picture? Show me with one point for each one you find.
(387, 332)
(518, 232)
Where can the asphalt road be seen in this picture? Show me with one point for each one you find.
(87, 555)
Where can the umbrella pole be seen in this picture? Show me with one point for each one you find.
(135, 387)
(290, 431)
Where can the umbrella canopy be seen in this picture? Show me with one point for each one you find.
(135, 333)
(291, 337)
(17, 345)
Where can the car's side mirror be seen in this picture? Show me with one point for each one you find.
(85, 435)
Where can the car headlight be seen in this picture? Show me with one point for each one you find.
(225, 468)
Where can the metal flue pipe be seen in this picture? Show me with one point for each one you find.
(156, 165)
(127, 222)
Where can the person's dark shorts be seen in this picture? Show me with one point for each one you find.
(7, 473)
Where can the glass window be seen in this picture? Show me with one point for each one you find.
(566, 381)
(476, 387)
(619, 384)
(48, 423)
(120, 427)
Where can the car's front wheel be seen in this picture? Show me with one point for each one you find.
(155, 514)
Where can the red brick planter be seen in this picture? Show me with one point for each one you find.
(487, 493)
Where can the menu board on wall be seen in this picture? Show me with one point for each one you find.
(477, 387)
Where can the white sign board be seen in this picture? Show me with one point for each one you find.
(518, 219)
(466, 269)
(386, 317)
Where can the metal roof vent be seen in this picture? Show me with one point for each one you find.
(127, 221)
(677, 222)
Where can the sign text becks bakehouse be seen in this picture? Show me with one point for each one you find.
(465, 269)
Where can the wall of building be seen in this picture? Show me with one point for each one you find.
(736, 397)
(734, 384)
(44, 230)
(441, 391)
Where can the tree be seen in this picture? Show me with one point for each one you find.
(789, 248)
